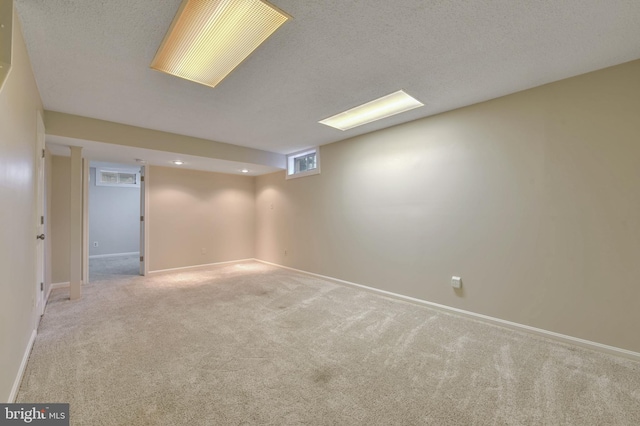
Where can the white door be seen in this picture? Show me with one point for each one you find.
(142, 220)
(40, 236)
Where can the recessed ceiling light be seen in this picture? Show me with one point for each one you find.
(383, 107)
(209, 38)
(178, 162)
(244, 171)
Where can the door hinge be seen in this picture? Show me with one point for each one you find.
(141, 218)
(41, 220)
(41, 286)
(43, 153)
(141, 178)
(141, 258)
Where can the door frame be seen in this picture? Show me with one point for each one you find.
(144, 227)
(144, 221)
(40, 184)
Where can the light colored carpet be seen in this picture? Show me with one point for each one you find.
(245, 344)
(112, 268)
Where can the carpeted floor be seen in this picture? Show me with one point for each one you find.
(245, 344)
(112, 268)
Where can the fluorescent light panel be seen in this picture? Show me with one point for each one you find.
(383, 107)
(209, 38)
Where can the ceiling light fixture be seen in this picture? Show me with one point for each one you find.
(209, 38)
(380, 108)
(244, 171)
(178, 162)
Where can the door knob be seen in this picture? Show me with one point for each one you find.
(40, 237)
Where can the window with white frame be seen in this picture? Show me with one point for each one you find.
(303, 163)
(121, 178)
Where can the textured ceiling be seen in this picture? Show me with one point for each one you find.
(91, 58)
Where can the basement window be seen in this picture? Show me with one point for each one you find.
(303, 163)
(126, 179)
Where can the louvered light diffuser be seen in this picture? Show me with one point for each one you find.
(380, 108)
(209, 38)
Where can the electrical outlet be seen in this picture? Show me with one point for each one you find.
(203, 250)
(456, 282)
(95, 244)
(285, 252)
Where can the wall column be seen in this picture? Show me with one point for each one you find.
(75, 240)
(85, 220)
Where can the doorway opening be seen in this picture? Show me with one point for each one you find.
(114, 196)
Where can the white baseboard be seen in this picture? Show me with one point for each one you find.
(58, 285)
(23, 367)
(97, 256)
(184, 268)
(612, 350)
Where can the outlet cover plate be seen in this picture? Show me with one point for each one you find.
(456, 282)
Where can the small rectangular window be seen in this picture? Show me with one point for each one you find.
(119, 178)
(303, 163)
(130, 178)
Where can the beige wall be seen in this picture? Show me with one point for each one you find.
(60, 218)
(532, 198)
(19, 101)
(191, 210)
